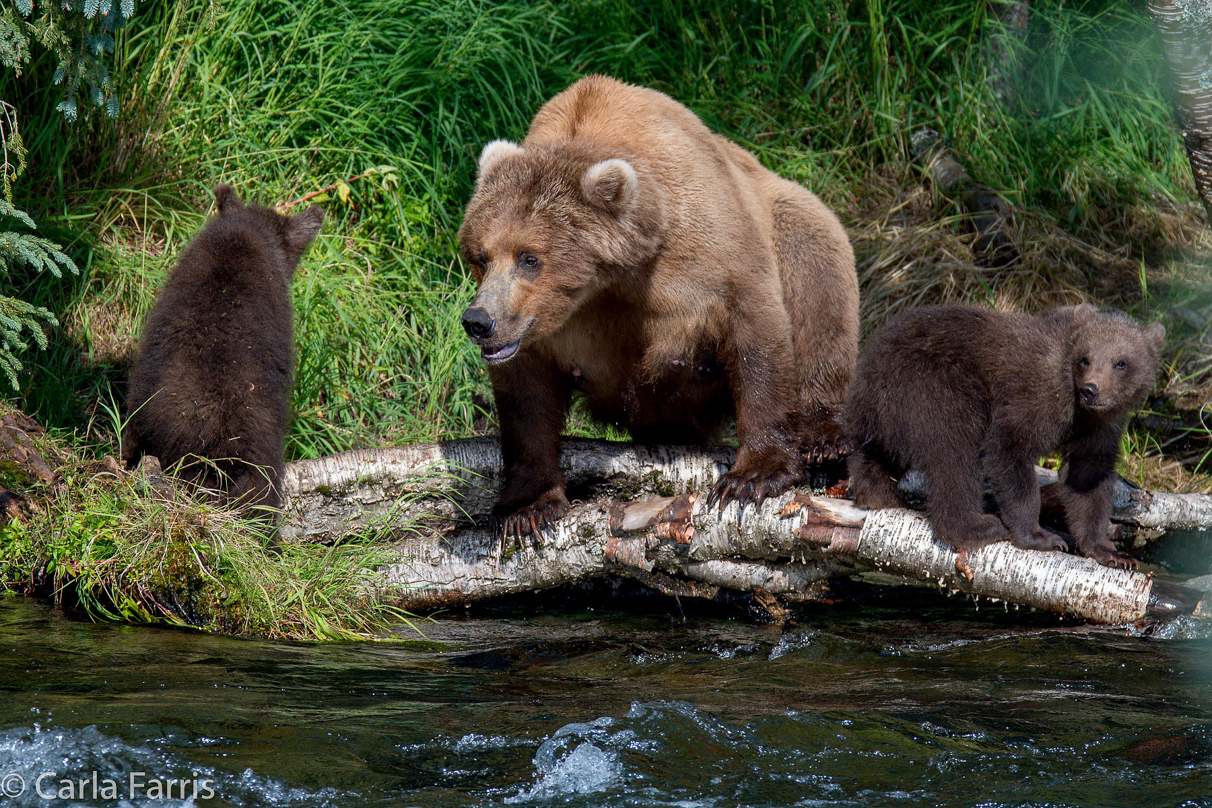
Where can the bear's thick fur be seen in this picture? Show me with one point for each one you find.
(212, 379)
(626, 251)
(963, 394)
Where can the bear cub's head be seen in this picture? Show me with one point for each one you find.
(546, 229)
(288, 234)
(1114, 360)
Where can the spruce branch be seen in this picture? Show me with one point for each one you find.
(18, 317)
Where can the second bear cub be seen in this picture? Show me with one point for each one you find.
(211, 385)
(963, 394)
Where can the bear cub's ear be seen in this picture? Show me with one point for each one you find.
(1156, 335)
(1085, 314)
(493, 153)
(303, 228)
(226, 199)
(611, 185)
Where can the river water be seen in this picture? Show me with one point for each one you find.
(897, 697)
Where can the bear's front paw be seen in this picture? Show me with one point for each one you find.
(529, 520)
(826, 449)
(753, 483)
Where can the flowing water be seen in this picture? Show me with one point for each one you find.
(899, 698)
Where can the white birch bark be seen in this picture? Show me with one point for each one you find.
(432, 497)
(438, 571)
(332, 497)
(1160, 510)
(329, 498)
(901, 542)
(1185, 30)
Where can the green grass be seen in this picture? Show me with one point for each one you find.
(284, 98)
(139, 549)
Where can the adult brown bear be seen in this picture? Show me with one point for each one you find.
(626, 251)
(211, 385)
(962, 394)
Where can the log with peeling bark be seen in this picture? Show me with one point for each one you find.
(332, 497)
(988, 214)
(639, 513)
(17, 447)
(818, 530)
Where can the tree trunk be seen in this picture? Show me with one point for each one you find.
(1003, 49)
(638, 515)
(1185, 30)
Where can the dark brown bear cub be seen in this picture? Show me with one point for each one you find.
(212, 380)
(964, 394)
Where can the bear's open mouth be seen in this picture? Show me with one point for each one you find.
(500, 354)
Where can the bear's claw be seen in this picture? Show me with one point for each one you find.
(1121, 561)
(825, 450)
(1105, 553)
(529, 520)
(749, 488)
(1040, 539)
(823, 436)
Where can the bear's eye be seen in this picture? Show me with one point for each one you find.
(1121, 365)
(529, 261)
(1085, 362)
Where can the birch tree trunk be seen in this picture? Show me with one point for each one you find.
(1003, 50)
(638, 513)
(1185, 29)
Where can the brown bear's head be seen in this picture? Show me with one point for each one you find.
(1114, 360)
(546, 228)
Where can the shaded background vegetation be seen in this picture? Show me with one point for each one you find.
(284, 99)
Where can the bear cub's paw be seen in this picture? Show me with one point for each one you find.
(1106, 553)
(875, 499)
(972, 534)
(1040, 539)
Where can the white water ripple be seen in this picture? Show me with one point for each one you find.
(86, 767)
(578, 759)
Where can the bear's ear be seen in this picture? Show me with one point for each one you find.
(1156, 335)
(610, 184)
(1085, 314)
(303, 228)
(226, 199)
(493, 153)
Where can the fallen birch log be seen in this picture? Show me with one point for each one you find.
(836, 533)
(333, 497)
(639, 515)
